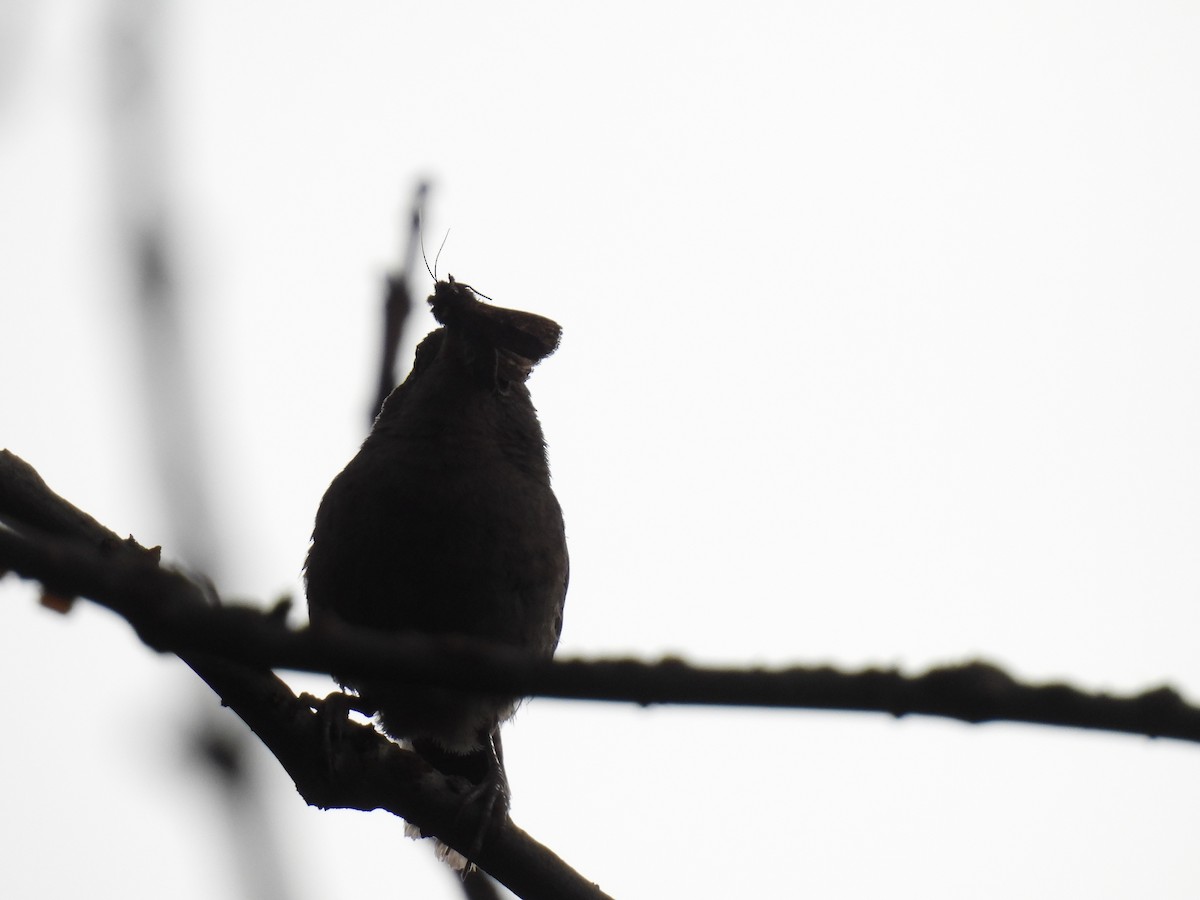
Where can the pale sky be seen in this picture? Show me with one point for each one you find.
(880, 348)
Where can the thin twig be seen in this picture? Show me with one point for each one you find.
(160, 606)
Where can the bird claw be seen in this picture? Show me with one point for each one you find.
(494, 794)
(333, 722)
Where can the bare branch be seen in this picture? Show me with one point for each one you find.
(165, 609)
(26, 499)
(49, 540)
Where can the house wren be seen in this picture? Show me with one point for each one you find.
(445, 523)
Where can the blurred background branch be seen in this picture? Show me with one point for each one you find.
(145, 212)
(398, 302)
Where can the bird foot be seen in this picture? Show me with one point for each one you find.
(486, 800)
(334, 723)
(491, 795)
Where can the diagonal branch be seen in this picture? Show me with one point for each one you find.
(45, 538)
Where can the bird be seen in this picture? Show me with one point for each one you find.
(445, 523)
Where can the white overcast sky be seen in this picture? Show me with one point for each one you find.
(880, 347)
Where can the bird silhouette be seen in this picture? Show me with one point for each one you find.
(445, 523)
